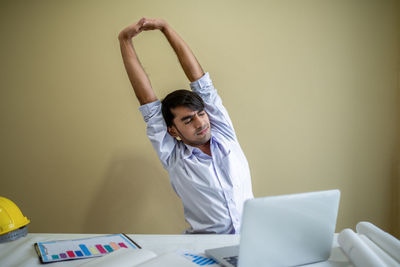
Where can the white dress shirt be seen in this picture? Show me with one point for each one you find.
(212, 188)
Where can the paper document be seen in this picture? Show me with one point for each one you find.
(147, 258)
(61, 250)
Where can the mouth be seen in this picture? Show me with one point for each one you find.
(203, 132)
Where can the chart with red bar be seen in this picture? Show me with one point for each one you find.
(62, 250)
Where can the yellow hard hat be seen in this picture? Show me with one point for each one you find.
(11, 218)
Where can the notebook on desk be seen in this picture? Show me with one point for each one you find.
(287, 230)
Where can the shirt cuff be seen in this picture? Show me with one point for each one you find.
(150, 109)
(202, 83)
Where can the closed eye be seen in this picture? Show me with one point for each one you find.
(187, 119)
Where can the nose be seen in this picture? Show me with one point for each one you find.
(198, 121)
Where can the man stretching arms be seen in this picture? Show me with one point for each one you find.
(193, 137)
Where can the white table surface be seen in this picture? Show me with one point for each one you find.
(22, 253)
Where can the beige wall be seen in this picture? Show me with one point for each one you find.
(312, 88)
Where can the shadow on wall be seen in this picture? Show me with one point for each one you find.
(136, 197)
(395, 199)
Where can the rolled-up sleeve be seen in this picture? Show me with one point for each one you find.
(217, 113)
(156, 131)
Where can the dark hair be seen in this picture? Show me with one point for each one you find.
(178, 98)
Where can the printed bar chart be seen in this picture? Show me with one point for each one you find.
(94, 251)
(199, 260)
(114, 246)
(122, 245)
(85, 250)
(101, 249)
(71, 254)
(78, 253)
(82, 248)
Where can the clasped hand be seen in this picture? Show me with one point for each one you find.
(142, 25)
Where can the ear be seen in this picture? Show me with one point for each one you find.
(172, 131)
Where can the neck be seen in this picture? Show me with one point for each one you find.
(204, 147)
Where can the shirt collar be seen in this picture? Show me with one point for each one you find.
(214, 143)
(188, 151)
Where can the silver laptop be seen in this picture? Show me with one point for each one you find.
(287, 230)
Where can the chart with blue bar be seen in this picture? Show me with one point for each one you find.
(200, 260)
(62, 250)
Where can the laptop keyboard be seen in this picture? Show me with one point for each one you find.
(232, 260)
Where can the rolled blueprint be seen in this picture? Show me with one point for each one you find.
(384, 240)
(357, 251)
(386, 258)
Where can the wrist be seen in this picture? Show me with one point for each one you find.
(123, 37)
(165, 27)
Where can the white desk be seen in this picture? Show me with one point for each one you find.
(22, 253)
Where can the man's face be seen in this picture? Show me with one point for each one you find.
(193, 127)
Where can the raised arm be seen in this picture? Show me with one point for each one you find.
(138, 77)
(188, 61)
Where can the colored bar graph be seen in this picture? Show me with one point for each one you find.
(114, 245)
(101, 249)
(108, 248)
(208, 262)
(85, 250)
(202, 260)
(122, 245)
(199, 260)
(94, 250)
(78, 253)
(71, 254)
(60, 250)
